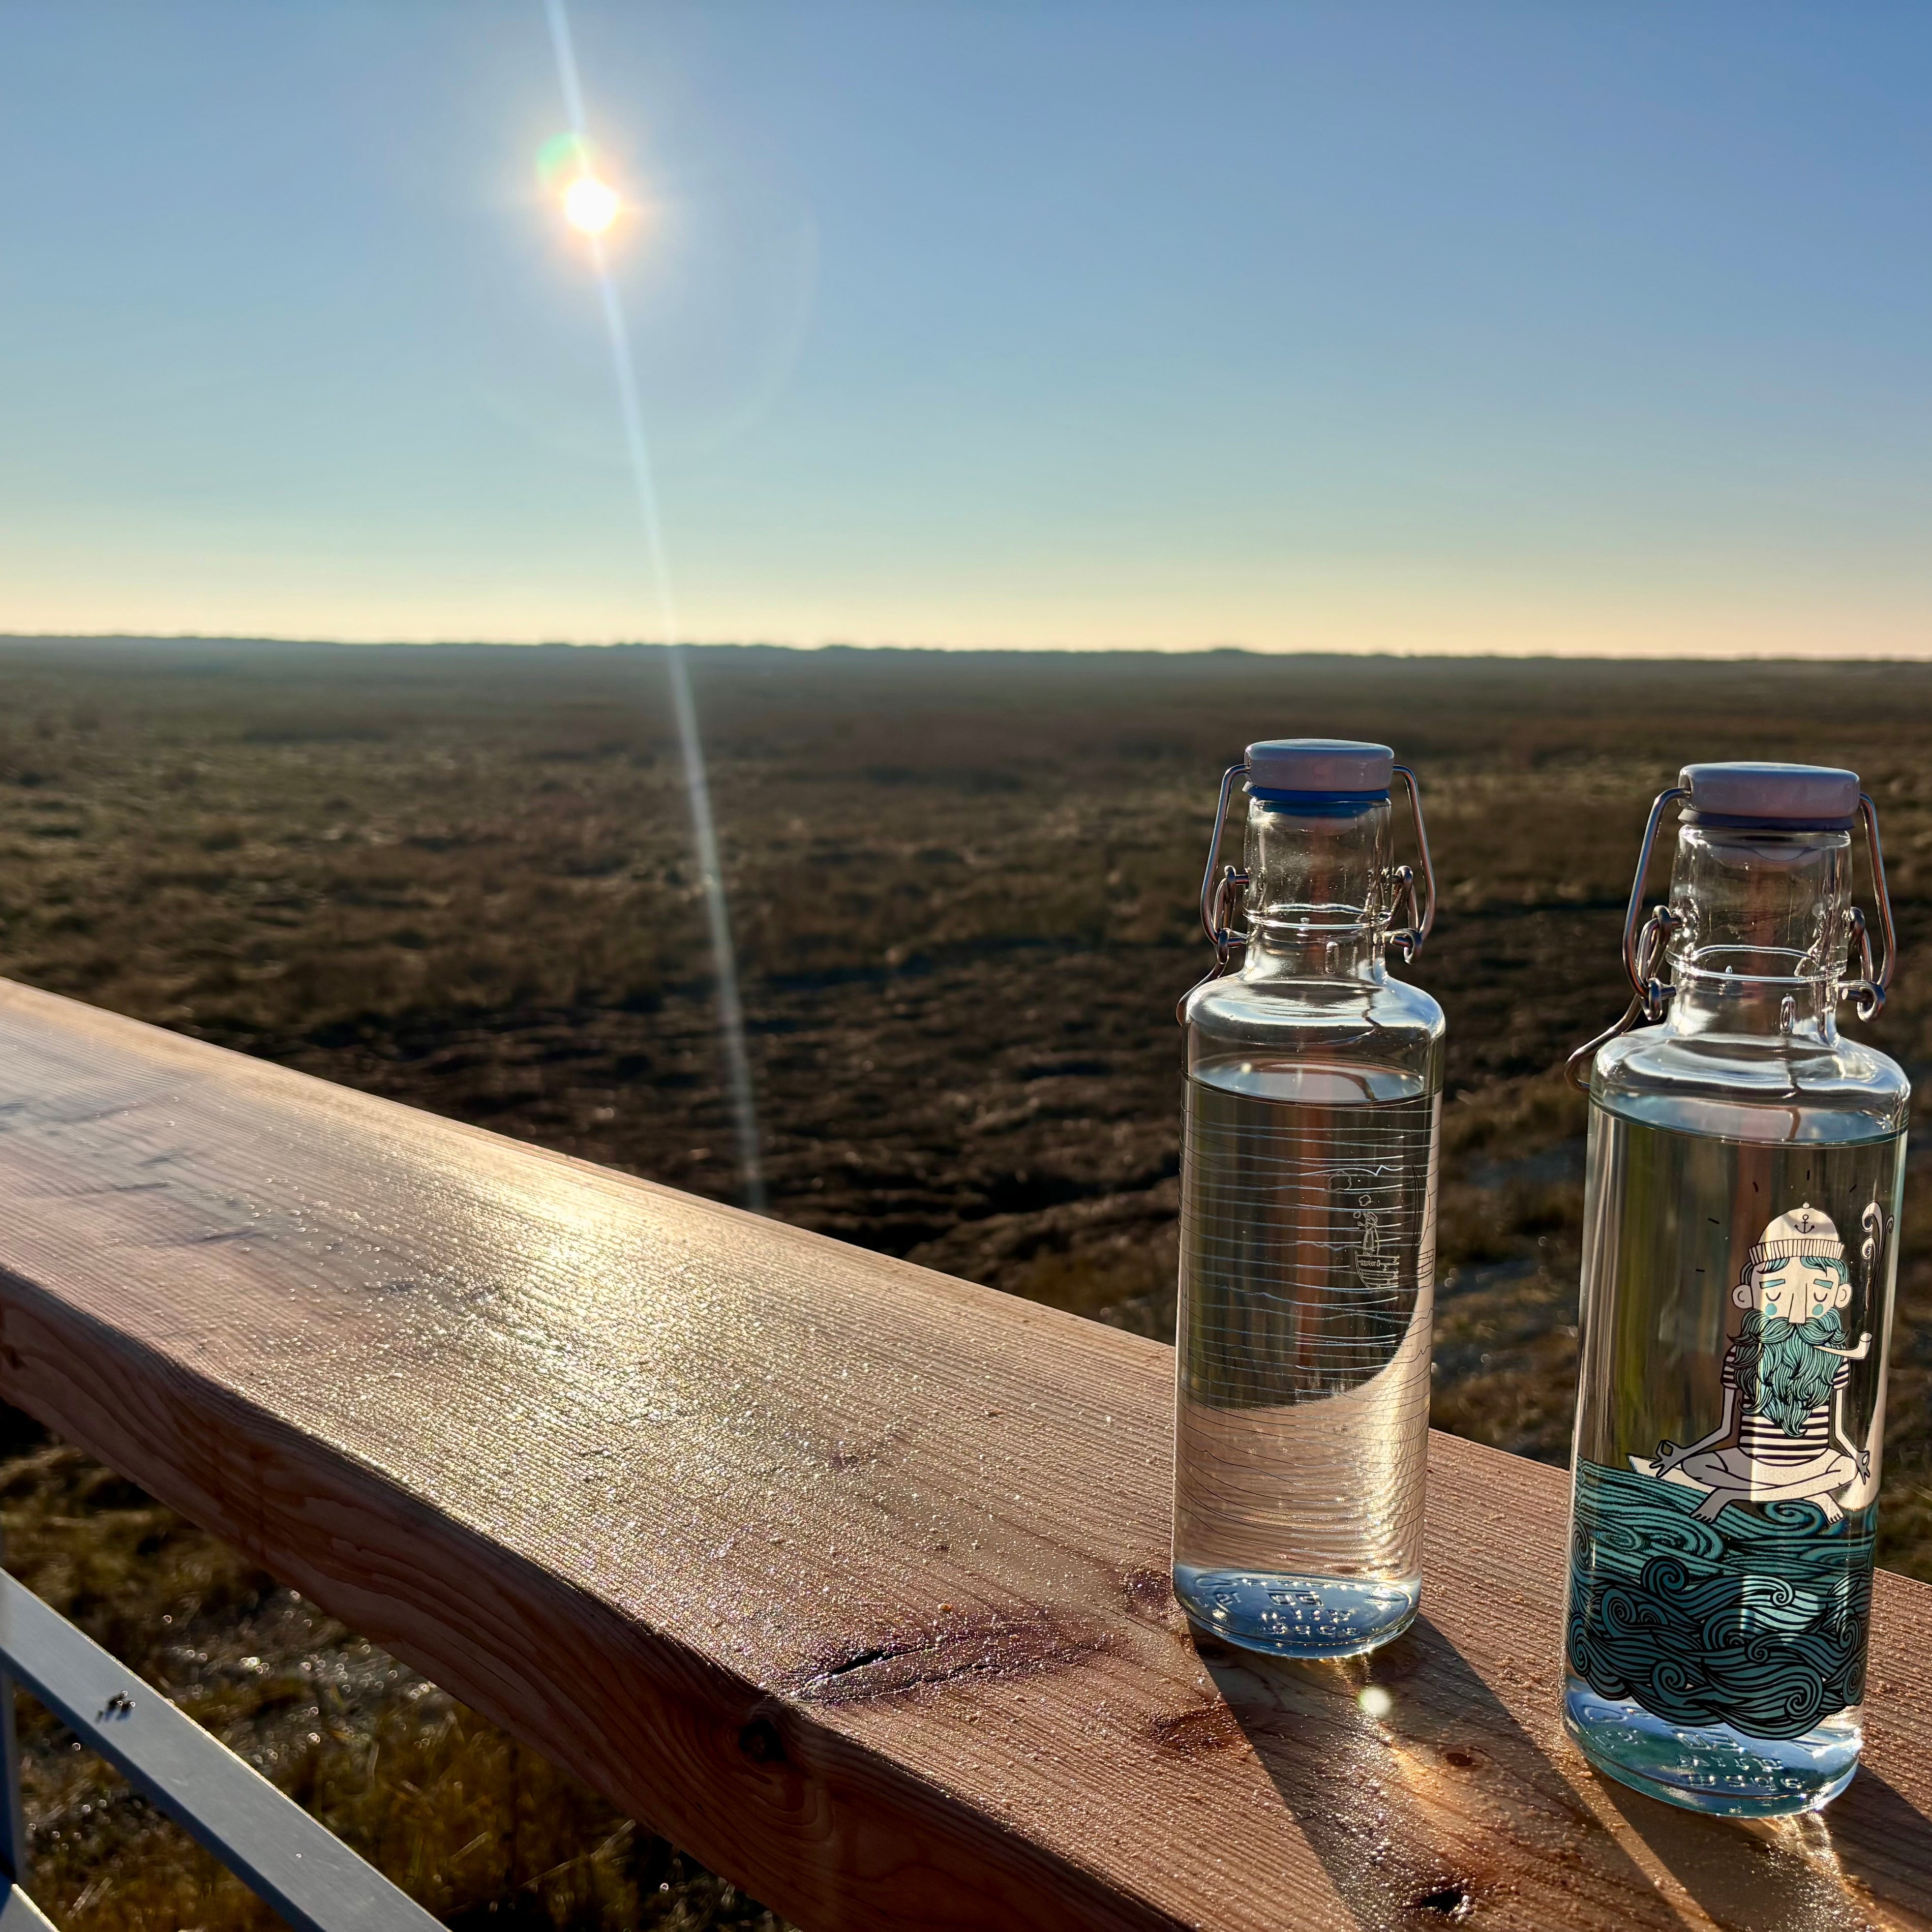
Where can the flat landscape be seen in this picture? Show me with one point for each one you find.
(963, 890)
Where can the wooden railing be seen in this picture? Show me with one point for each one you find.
(848, 1577)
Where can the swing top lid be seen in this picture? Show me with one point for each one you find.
(1819, 798)
(1319, 768)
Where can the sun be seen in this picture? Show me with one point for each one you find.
(590, 205)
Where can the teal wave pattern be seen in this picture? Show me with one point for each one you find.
(1758, 1621)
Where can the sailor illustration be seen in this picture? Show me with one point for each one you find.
(1782, 1437)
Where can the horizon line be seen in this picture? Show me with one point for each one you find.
(1554, 655)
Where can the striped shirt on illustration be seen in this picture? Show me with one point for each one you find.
(1763, 1440)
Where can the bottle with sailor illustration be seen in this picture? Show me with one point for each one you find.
(1745, 1166)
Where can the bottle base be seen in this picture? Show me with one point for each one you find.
(1287, 1615)
(1711, 1768)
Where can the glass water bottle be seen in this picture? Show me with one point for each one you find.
(1308, 1219)
(1745, 1167)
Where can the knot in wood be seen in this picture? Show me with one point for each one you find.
(761, 1742)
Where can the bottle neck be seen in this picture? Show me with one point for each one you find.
(1798, 1010)
(1317, 888)
(1759, 949)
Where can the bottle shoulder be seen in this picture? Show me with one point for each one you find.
(1753, 1086)
(1386, 1020)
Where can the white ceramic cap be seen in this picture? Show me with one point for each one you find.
(1773, 794)
(1330, 765)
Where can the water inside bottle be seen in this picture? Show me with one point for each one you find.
(1730, 1417)
(1307, 1271)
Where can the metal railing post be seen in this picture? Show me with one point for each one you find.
(12, 1813)
(292, 1861)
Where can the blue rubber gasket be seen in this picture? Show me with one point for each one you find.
(1756, 821)
(1313, 798)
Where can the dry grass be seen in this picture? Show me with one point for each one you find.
(963, 890)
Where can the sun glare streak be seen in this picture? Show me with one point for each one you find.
(630, 409)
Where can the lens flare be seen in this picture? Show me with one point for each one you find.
(1375, 1701)
(589, 197)
(590, 205)
(565, 154)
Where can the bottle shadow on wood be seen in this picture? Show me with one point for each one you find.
(1426, 1800)
(1821, 1869)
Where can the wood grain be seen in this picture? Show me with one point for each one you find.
(849, 1577)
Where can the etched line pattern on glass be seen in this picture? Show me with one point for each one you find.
(1307, 1272)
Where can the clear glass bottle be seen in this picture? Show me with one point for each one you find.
(1308, 1220)
(1745, 1168)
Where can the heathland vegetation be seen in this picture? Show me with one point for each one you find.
(963, 888)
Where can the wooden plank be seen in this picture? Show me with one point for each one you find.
(849, 1577)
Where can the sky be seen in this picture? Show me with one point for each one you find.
(1548, 327)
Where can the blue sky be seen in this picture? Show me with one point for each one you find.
(1537, 327)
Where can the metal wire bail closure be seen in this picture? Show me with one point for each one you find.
(1645, 940)
(1868, 991)
(1219, 893)
(1421, 918)
(1216, 918)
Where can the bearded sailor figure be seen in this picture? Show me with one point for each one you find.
(1782, 1438)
